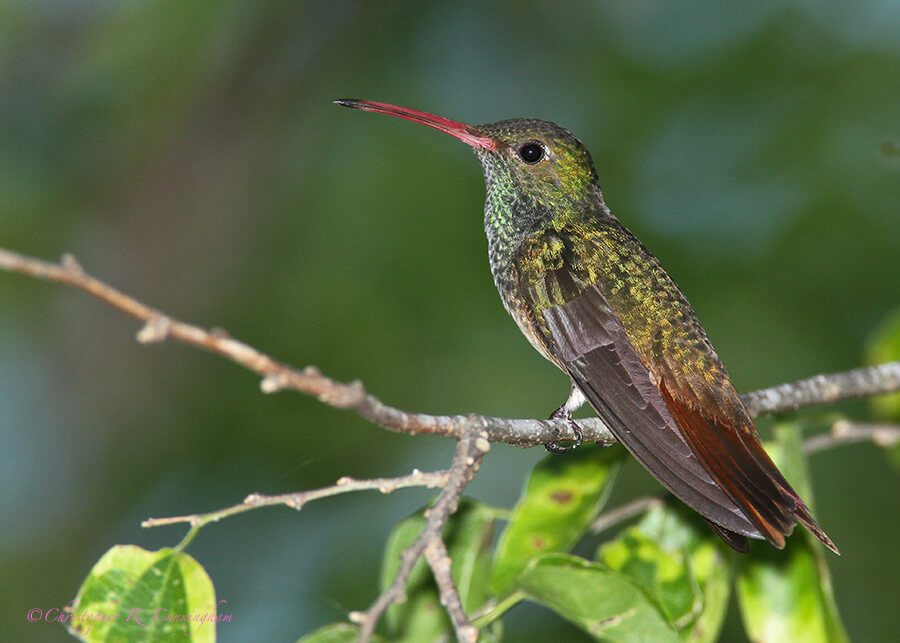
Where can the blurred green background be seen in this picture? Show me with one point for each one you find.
(188, 153)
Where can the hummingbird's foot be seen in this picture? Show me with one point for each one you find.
(563, 413)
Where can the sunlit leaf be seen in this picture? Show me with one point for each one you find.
(133, 594)
(606, 604)
(664, 575)
(674, 555)
(787, 595)
(561, 497)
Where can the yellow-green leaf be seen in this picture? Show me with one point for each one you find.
(133, 594)
(675, 556)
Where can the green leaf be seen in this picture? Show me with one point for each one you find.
(468, 535)
(133, 594)
(884, 346)
(336, 633)
(664, 575)
(677, 530)
(561, 498)
(787, 595)
(606, 604)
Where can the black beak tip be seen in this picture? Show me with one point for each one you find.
(347, 102)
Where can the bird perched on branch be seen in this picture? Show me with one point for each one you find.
(594, 301)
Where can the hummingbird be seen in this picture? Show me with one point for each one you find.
(594, 301)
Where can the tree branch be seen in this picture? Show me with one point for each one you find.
(469, 453)
(825, 389)
(822, 389)
(439, 561)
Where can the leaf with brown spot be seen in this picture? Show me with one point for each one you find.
(561, 498)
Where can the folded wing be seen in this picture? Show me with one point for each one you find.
(711, 461)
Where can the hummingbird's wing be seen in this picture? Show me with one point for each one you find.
(591, 344)
(714, 467)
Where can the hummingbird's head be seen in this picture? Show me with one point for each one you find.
(536, 162)
(526, 155)
(536, 171)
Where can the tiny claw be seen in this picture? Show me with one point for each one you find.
(563, 414)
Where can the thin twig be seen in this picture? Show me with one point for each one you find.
(298, 499)
(626, 511)
(469, 453)
(844, 432)
(822, 389)
(439, 560)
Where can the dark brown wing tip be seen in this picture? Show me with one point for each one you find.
(806, 519)
(736, 541)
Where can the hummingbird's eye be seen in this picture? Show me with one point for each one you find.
(531, 152)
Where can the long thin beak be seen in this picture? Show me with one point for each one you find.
(466, 133)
